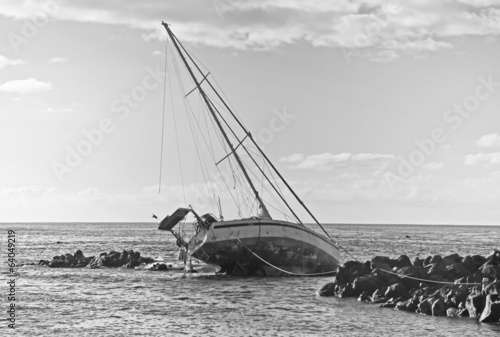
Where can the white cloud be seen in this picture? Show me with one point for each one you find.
(485, 159)
(490, 140)
(384, 31)
(27, 86)
(5, 62)
(25, 191)
(157, 53)
(327, 161)
(348, 175)
(58, 110)
(58, 60)
(433, 166)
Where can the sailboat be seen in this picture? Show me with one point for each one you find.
(257, 244)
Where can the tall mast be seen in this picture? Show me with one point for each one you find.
(214, 116)
(263, 154)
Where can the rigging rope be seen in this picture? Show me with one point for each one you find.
(175, 126)
(163, 118)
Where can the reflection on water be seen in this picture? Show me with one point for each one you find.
(142, 302)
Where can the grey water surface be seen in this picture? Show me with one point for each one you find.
(124, 302)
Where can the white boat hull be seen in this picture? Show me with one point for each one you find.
(265, 247)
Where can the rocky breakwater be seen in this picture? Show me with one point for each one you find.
(453, 285)
(125, 259)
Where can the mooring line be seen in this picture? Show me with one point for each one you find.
(430, 281)
(277, 268)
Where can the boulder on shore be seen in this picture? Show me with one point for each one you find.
(78, 260)
(126, 259)
(451, 286)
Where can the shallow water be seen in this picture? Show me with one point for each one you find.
(122, 302)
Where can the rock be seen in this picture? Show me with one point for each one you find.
(494, 258)
(452, 312)
(96, 262)
(427, 260)
(410, 271)
(408, 305)
(492, 288)
(378, 295)
(159, 266)
(365, 297)
(391, 303)
(438, 308)
(124, 257)
(436, 259)
(78, 254)
(381, 262)
(475, 304)
(58, 262)
(390, 287)
(407, 237)
(134, 260)
(458, 270)
(491, 311)
(113, 260)
(397, 290)
(477, 261)
(473, 262)
(450, 259)
(43, 263)
(344, 290)
(58, 242)
(456, 296)
(368, 283)
(351, 270)
(436, 269)
(476, 277)
(424, 307)
(417, 262)
(400, 262)
(385, 276)
(490, 271)
(327, 289)
(147, 260)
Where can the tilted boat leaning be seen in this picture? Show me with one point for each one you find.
(256, 244)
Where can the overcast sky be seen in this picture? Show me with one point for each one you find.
(393, 107)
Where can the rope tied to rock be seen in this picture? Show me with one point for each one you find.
(430, 281)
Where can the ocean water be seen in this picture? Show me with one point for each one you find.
(124, 302)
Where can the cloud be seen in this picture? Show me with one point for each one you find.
(433, 166)
(33, 191)
(490, 140)
(27, 86)
(328, 161)
(57, 60)
(485, 159)
(57, 110)
(379, 30)
(5, 62)
(350, 176)
(157, 53)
